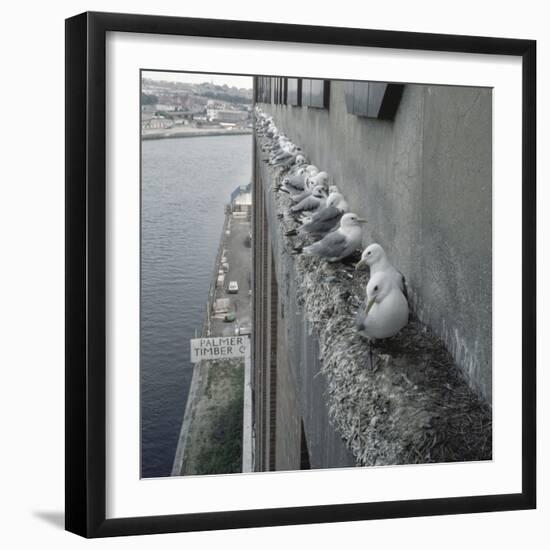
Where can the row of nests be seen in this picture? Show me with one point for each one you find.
(400, 401)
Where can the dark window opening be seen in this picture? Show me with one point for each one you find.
(294, 92)
(305, 464)
(373, 99)
(315, 93)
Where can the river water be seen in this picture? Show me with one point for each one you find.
(185, 184)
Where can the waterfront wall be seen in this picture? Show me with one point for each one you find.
(198, 381)
(172, 133)
(290, 396)
(423, 181)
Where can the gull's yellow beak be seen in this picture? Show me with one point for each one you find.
(369, 305)
(360, 265)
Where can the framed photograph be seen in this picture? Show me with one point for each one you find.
(300, 274)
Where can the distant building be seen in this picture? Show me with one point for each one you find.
(146, 117)
(165, 107)
(151, 122)
(226, 115)
(239, 190)
(182, 117)
(241, 201)
(203, 122)
(215, 104)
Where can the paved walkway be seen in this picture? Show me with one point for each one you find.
(239, 258)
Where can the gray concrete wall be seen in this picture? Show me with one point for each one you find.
(288, 428)
(423, 181)
(301, 394)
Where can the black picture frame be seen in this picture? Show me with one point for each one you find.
(86, 272)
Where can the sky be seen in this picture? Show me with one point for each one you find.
(197, 78)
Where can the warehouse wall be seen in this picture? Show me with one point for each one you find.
(423, 181)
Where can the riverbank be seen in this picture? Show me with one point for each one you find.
(211, 435)
(185, 132)
(212, 428)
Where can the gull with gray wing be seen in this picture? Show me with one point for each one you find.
(323, 220)
(339, 244)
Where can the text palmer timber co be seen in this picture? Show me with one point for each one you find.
(218, 348)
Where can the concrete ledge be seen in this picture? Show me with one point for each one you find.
(400, 402)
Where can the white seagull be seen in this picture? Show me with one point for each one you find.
(386, 310)
(339, 244)
(375, 257)
(323, 220)
(315, 201)
(310, 182)
(294, 183)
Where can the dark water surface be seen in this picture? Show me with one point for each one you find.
(185, 185)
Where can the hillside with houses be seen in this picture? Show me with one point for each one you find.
(183, 108)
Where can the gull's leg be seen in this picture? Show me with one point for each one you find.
(374, 361)
(370, 354)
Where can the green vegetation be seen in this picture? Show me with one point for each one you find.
(149, 99)
(223, 452)
(165, 114)
(229, 98)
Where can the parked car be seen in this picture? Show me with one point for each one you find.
(229, 317)
(243, 330)
(233, 287)
(222, 306)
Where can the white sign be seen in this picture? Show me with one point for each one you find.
(221, 347)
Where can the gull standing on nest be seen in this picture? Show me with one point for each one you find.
(385, 311)
(323, 220)
(339, 244)
(375, 257)
(316, 201)
(310, 183)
